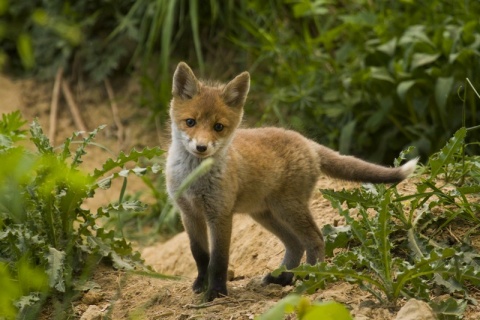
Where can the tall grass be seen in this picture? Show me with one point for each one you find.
(171, 31)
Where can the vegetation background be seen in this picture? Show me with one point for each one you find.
(366, 77)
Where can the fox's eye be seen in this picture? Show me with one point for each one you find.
(218, 127)
(190, 122)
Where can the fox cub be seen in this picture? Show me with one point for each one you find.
(269, 173)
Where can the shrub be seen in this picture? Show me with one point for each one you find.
(42, 221)
(393, 245)
(369, 78)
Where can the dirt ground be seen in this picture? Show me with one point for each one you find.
(119, 295)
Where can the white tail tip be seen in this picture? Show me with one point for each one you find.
(409, 167)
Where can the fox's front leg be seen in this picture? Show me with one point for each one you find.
(220, 235)
(196, 228)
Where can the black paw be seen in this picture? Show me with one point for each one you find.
(199, 285)
(284, 279)
(212, 294)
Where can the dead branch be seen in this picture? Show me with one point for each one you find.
(73, 107)
(54, 105)
(225, 300)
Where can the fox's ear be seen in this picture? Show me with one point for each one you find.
(235, 92)
(185, 84)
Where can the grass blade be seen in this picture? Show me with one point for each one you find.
(196, 34)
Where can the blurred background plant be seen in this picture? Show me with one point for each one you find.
(366, 77)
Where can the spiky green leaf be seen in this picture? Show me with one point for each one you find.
(106, 182)
(77, 157)
(123, 159)
(446, 154)
(56, 267)
(40, 139)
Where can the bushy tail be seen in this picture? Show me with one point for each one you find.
(353, 169)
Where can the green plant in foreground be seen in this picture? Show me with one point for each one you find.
(394, 247)
(41, 216)
(305, 310)
(24, 287)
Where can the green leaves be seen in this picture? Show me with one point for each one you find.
(22, 290)
(336, 237)
(371, 262)
(439, 160)
(25, 50)
(443, 87)
(309, 8)
(134, 206)
(41, 216)
(123, 159)
(305, 310)
(393, 245)
(11, 129)
(388, 73)
(450, 309)
(39, 139)
(422, 59)
(403, 87)
(56, 269)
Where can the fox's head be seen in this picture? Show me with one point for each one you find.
(205, 116)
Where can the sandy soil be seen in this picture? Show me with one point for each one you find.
(119, 295)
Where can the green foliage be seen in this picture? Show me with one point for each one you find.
(10, 130)
(343, 74)
(97, 38)
(393, 245)
(368, 78)
(305, 310)
(73, 35)
(41, 216)
(23, 288)
(182, 29)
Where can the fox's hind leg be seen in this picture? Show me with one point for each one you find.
(296, 214)
(294, 248)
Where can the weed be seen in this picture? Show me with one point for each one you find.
(305, 310)
(393, 240)
(42, 220)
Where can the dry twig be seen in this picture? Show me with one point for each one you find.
(73, 107)
(453, 235)
(54, 105)
(225, 300)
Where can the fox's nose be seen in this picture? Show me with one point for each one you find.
(201, 148)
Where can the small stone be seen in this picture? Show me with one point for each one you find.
(93, 313)
(416, 310)
(92, 297)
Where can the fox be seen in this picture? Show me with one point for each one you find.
(269, 173)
